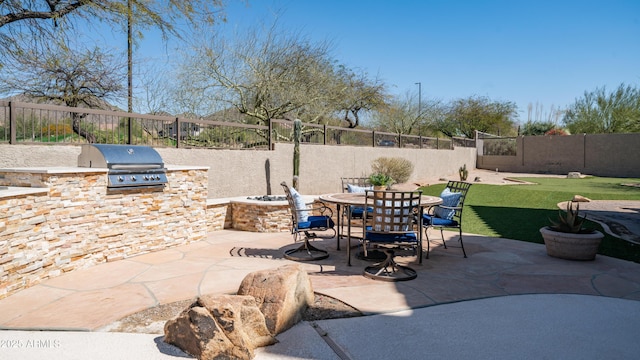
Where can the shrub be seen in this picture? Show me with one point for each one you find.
(398, 169)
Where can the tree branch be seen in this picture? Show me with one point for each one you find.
(55, 13)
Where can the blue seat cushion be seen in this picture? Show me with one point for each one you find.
(357, 211)
(450, 199)
(390, 237)
(437, 221)
(314, 222)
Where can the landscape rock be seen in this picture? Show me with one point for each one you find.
(580, 198)
(574, 175)
(219, 327)
(282, 294)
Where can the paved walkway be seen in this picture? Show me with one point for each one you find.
(93, 298)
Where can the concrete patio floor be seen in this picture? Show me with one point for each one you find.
(92, 298)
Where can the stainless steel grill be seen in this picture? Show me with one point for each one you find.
(130, 166)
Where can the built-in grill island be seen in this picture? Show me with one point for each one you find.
(130, 166)
(116, 201)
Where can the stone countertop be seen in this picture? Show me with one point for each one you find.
(78, 170)
(53, 170)
(11, 191)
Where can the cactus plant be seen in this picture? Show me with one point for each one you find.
(463, 172)
(297, 135)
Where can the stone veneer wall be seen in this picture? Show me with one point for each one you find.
(218, 215)
(261, 216)
(254, 216)
(78, 223)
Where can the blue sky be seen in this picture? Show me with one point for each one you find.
(545, 52)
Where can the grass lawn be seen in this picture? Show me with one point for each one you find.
(519, 211)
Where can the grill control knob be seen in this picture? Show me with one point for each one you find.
(145, 177)
(133, 178)
(157, 177)
(120, 179)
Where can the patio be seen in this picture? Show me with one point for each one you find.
(92, 298)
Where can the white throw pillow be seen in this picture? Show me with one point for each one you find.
(451, 199)
(303, 216)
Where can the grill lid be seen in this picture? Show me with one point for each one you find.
(119, 157)
(130, 166)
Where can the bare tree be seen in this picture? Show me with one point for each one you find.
(267, 74)
(264, 75)
(60, 76)
(401, 115)
(41, 16)
(356, 93)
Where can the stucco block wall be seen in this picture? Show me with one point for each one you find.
(614, 155)
(259, 172)
(321, 167)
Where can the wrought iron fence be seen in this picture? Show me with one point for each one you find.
(497, 145)
(29, 123)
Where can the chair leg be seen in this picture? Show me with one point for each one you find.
(306, 251)
(462, 244)
(426, 235)
(442, 237)
(389, 270)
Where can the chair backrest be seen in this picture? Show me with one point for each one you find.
(393, 211)
(461, 187)
(362, 182)
(298, 211)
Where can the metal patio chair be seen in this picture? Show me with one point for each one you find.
(304, 224)
(354, 185)
(447, 215)
(392, 225)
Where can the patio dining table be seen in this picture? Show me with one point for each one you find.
(348, 200)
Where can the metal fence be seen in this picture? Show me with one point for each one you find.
(29, 123)
(496, 145)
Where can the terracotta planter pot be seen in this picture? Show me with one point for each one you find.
(571, 246)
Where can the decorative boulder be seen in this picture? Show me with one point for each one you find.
(580, 198)
(282, 294)
(219, 327)
(574, 175)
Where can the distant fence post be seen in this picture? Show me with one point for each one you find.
(12, 123)
(178, 134)
(373, 138)
(324, 132)
(269, 134)
(129, 130)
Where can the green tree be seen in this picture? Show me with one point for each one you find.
(537, 127)
(465, 116)
(600, 111)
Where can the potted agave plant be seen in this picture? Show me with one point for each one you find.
(568, 239)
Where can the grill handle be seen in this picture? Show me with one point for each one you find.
(136, 166)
